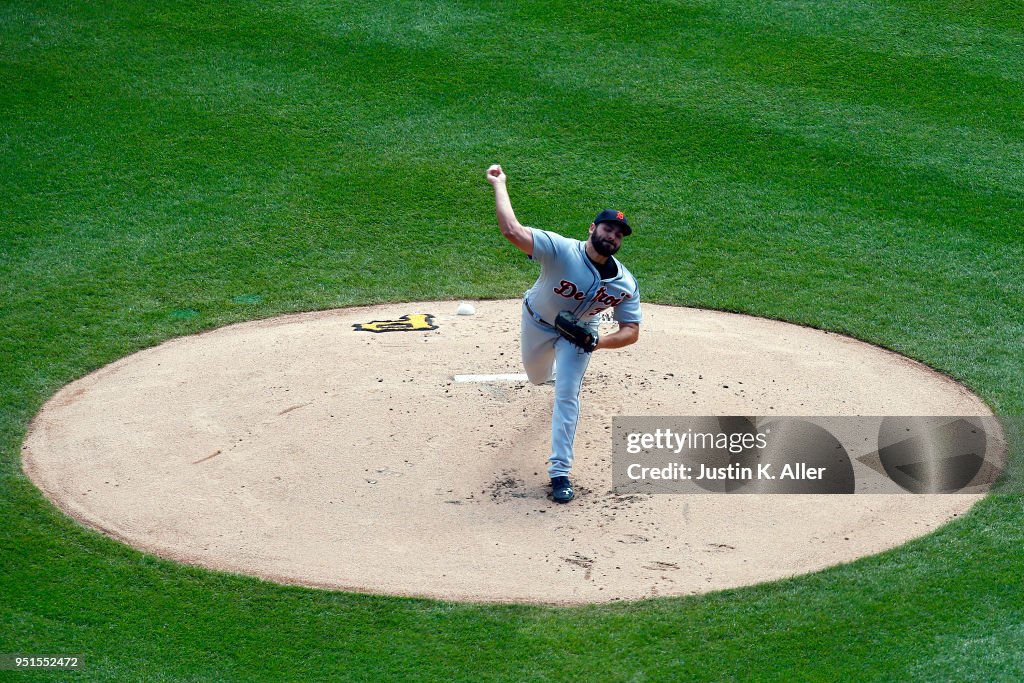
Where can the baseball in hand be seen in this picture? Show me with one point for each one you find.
(495, 174)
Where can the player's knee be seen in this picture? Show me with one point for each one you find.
(539, 373)
(538, 376)
(567, 393)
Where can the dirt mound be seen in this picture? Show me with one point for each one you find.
(307, 450)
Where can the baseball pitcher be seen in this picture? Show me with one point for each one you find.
(559, 326)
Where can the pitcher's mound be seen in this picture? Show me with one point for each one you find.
(304, 450)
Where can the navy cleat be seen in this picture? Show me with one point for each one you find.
(561, 489)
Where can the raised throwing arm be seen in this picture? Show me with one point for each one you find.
(518, 235)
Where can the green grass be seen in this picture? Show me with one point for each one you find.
(855, 166)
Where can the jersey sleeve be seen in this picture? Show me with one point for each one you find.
(547, 246)
(629, 310)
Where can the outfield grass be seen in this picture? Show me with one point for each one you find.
(856, 166)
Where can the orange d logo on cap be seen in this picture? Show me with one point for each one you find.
(614, 216)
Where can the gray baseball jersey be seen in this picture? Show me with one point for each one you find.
(569, 282)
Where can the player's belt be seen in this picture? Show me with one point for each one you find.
(535, 316)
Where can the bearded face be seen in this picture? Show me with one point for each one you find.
(606, 239)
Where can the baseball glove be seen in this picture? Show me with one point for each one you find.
(569, 327)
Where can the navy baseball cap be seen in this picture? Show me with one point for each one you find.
(613, 216)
